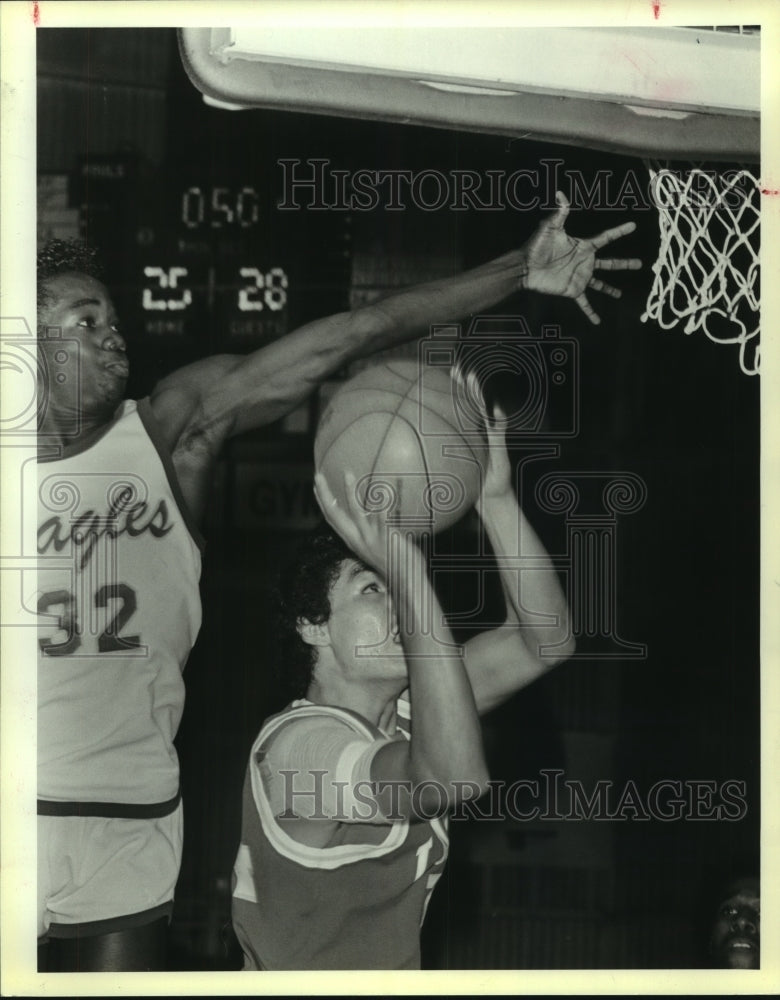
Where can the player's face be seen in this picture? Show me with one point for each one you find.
(736, 932)
(362, 628)
(85, 361)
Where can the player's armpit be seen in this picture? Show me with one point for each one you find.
(175, 398)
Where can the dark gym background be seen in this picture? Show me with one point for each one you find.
(672, 410)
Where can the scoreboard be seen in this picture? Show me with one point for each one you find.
(203, 257)
(219, 256)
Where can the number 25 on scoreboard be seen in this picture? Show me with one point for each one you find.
(167, 281)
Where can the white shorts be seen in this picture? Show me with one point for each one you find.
(109, 873)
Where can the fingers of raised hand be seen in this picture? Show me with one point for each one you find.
(558, 220)
(583, 303)
(618, 263)
(474, 391)
(500, 418)
(470, 389)
(336, 516)
(456, 374)
(496, 428)
(602, 286)
(610, 235)
(356, 507)
(323, 492)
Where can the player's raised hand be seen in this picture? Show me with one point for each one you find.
(559, 264)
(497, 472)
(365, 531)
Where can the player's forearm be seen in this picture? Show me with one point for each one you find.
(268, 384)
(286, 372)
(446, 744)
(410, 312)
(532, 589)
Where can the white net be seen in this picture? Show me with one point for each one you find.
(707, 271)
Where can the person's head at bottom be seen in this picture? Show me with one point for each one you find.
(735, 934)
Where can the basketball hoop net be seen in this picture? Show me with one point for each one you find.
(706, 273)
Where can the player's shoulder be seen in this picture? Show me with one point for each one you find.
(303, 716)
(306, 729)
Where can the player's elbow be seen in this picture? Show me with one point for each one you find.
(550, 648)
(560, 653)
(464, 790)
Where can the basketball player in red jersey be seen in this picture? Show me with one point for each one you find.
(344, 829)
(121, 488)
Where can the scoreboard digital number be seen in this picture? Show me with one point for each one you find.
(222, 207)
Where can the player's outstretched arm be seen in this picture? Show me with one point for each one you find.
(536, 633)
(212, 399)
(445, 749)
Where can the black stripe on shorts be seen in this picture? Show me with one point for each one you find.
(110, 810)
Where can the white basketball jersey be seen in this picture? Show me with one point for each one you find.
(119, 611)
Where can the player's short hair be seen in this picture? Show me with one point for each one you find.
(64, 257)
(746, 883)
(303, 591)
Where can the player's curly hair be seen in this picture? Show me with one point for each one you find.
(64, 257)
(303, 591)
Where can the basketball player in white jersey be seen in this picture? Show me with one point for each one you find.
(121, 488)
(333, 872)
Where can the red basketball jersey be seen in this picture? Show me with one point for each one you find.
(355, 904)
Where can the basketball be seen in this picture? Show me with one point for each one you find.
(415, 452)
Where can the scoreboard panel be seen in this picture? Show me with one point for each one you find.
(213, 255)
(204, 258)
